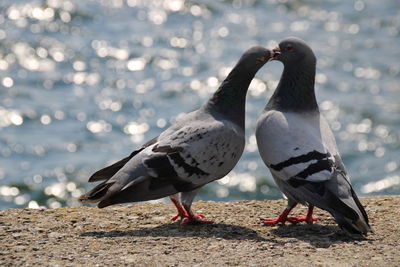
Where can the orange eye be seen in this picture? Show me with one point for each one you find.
(289, 47)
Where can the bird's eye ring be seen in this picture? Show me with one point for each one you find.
(289, 47)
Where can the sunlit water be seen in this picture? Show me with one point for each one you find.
(83, 83)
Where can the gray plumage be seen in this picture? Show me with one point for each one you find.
(298, 146)
(200, 147)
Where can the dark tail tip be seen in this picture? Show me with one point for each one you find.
(358, 228)
(347, 227)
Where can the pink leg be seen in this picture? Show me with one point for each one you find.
(309, 219)
(181, 211)
(192, 218)
(282, 218)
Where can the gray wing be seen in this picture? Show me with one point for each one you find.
(197, 153)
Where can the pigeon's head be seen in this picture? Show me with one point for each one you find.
(254, 58)
(293, 50)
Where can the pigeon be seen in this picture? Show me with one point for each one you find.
(200, 147)
(299, 148)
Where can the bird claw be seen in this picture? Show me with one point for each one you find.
(283, 217)
(175, 217)
(181, 213)
(273, 221)
(293, 220)
(297, 219)
(186, 216)
(195, 219)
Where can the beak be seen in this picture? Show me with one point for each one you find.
(276, 52)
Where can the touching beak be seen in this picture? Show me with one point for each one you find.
(276, 53)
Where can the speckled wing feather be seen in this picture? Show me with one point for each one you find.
(196, 151)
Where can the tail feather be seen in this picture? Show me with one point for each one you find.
(109, 171)
(147, 189)
(349, 213)
(360, 206)
(360, 225)
(352, 227)
(96, 194)
(346, 207)
(141, 189)
(338, 198)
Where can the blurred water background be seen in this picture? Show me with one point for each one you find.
(83, 83)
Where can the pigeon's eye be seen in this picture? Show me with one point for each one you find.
(289, 47)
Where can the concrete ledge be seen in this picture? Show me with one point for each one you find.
(142, 235)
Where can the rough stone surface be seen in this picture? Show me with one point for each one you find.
(143, 235)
